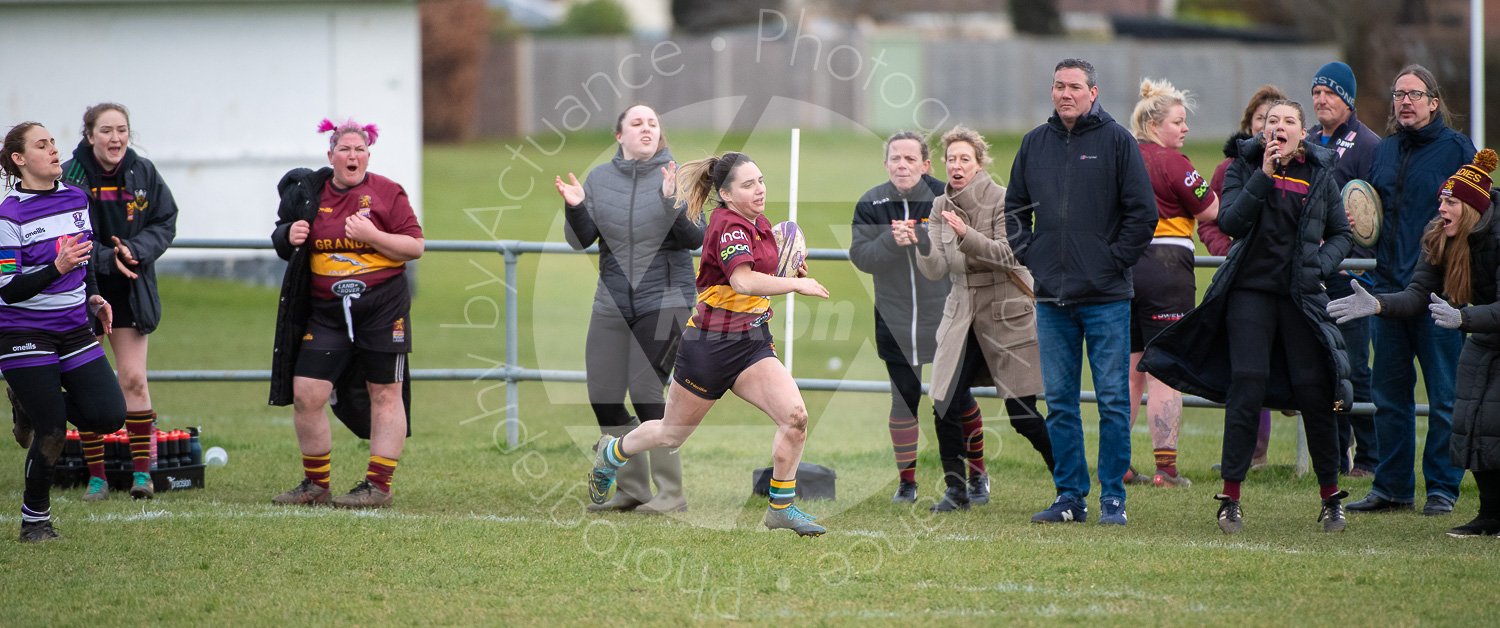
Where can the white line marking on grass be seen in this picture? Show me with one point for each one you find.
(1031, 589)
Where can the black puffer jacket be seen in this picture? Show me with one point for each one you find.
(1476, 406)
(1193, 354)
(1089, 195)
(645, 243)
(908, 306)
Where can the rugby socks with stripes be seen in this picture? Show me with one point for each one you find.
(1166, 460)
(380, 471)
(973, 430)
(93, 452)
(904, 434)
(31, 515)
(139, 426)
(782, 492)
(614, 455)
(318, 468)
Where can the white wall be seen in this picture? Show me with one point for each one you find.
(224, 97)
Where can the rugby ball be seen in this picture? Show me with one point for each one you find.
(791, 248)
(1363, 206)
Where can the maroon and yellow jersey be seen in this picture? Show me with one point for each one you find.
(732, 240)
(336, 257)
(1181, 193)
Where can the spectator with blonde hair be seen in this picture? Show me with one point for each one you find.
(1164, 278)
(988, 332)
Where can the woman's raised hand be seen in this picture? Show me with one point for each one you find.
(571, 192)
(959, 228)
(669, 179)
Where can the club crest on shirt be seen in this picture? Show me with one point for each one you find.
(78, 220)
(136, 205)
(364, 201)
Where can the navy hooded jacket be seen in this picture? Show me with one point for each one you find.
(1079, 208)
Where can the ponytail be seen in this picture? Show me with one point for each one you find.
(699, 181)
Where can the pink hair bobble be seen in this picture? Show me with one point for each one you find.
(369, 131)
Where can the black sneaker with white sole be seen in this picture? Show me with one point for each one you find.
(1478, 527)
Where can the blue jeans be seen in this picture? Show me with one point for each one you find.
(1397, 342)
(1062, 331)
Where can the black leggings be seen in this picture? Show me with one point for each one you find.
(631, 355)
(1270, 332)
(92, 401)
(1022, 411)
(1489, 493)
(906, 388)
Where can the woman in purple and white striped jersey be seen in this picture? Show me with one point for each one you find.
(48, 351)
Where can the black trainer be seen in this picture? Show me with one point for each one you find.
(1478, 527)
(1231, 520)
(38, 532)
(905, 494)
(955, 498)
(979, 489)
(1332, 513)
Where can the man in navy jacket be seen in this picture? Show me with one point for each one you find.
(1409, 167)
(1080, 212)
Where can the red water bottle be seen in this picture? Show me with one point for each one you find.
(154, 433)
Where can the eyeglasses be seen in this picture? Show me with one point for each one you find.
(1415, 95)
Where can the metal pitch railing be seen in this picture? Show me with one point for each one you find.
(512, 374)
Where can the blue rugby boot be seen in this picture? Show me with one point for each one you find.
(790, 518)
(602, 477)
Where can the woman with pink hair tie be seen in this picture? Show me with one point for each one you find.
(344, 319)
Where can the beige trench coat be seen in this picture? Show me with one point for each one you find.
(992, 293)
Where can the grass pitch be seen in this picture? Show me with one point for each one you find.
(483, 533)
